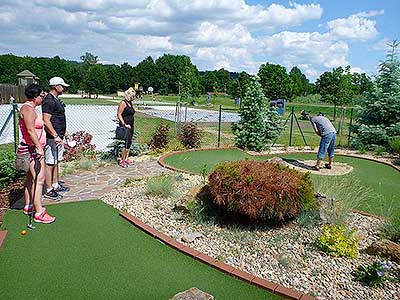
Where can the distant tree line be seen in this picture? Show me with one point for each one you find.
(173, 74)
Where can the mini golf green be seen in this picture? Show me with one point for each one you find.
(90, 252)
(381, 178)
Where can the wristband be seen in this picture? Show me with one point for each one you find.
(56, 136)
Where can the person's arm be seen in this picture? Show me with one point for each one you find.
(121, 108)
(315, 128)
(29, 117)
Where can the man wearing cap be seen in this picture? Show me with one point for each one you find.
(53, 110)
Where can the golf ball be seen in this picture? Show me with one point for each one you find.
(23, 232)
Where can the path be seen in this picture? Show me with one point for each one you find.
(86, 185)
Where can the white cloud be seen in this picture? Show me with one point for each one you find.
(371, 13)
(354, 27)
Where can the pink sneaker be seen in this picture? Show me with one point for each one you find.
(123, 164)
(44, 217)
(28, 209)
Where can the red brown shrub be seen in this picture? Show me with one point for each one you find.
(261, 190)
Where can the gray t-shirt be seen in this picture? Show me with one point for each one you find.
(323, 125)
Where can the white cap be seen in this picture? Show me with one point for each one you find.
(57, 81)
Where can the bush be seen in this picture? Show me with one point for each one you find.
(395, 144)
(391, 228)
(159, 139)
(336, 240)
(373, 274)
(261, 190)
(190, 136)
(8, 173)
(162, 185)
(83, 144)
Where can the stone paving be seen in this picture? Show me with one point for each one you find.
(87, 185)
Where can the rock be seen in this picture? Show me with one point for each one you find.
(278, 161)
(190, 237)
(192, 294)
(181, 204)
(386, 249)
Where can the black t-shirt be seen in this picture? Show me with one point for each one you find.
(53, 106)
(127, 114)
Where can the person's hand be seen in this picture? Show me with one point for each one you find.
(58, 140)
(127, 126)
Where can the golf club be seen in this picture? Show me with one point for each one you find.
(57, 149)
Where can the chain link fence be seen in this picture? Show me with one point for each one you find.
(214, 122)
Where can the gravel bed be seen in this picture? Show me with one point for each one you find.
(286, 256)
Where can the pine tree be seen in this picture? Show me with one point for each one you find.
(379, 118)
(258, 124)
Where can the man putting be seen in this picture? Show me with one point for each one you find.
(53, 110)
(325, 129)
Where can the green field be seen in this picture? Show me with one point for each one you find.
(382, 179)
(90, 252)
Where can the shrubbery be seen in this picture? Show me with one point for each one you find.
(83, 145)
(8, 173)
(395, 144)
(159, 139)
(336, 240)
(373, 274)
(190, 136)
(261, 190)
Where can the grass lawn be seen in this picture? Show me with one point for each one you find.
(382, 179)
(90, 252)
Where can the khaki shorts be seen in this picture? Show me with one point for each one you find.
(51, 155)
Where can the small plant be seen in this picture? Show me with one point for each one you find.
(85, 163)
(163, 185)
(391, 228)
(380, 150)
(362, 149)
(395, 144)
(309, 218)
(190, 136)
(284, 261)
(8, 173)
(336, 240)
(159, 139)
(373, 274)
(129, 182)
(346, 193)
(83, 143)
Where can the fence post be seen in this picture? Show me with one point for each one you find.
(291, 126)
(219, 124)
(15, 125)
(351, 122)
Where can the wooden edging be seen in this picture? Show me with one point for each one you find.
(3, 235)
(219, 265)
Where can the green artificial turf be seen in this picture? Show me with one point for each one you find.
(382, 179)
(91, 252)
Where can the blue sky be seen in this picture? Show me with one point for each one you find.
(232, 34)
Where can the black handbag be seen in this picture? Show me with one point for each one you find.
(120, 133)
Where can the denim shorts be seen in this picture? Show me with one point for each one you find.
(327, 144)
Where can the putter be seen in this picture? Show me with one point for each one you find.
(32, 199)
(57, 148)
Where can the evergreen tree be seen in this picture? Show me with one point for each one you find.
(379, 118)
(258, 124)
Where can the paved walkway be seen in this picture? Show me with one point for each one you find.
(86, 185)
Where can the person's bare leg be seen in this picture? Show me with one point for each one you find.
(28, 188)
(318, 164)
(37, 198)
(49, 177)
(330, 160)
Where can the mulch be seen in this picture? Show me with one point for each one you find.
(10, 195)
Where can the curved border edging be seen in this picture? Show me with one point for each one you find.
(161, 160)
(3, 235)
(216, 264)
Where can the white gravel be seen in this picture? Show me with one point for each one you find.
(285, 255)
